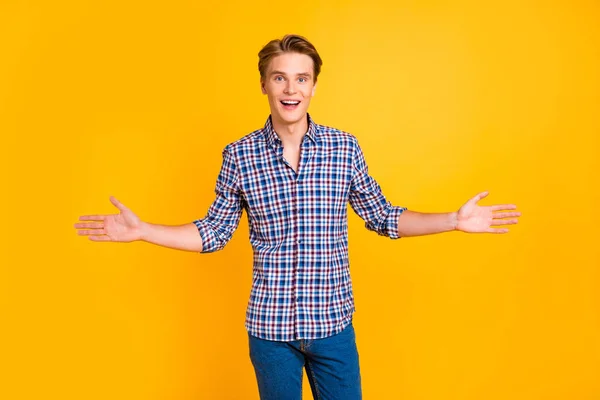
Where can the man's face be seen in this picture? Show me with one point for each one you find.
(289, 84)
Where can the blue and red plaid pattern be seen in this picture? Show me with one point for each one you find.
(301, 286)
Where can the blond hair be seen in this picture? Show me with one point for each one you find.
(288, 44)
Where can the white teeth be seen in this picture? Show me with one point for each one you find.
(290, 102)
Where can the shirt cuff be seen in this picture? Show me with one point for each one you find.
(392, 222)
(207, 236)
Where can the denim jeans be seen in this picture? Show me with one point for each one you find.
(331, 366)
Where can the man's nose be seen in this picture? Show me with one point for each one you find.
(289, 88)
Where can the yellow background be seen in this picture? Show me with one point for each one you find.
(137, 99)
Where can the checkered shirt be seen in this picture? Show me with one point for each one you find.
(301, 286)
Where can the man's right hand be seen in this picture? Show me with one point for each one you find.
(123, 227)
(127, 227)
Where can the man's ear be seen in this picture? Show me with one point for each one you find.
(262, 87)
(313, 89)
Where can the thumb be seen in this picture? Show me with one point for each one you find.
(481, 196)
(117, 203)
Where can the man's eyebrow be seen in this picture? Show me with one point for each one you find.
(283, 73)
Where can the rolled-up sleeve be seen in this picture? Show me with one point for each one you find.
(367, 200)
(223, 216)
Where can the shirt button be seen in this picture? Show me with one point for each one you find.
(299, 241)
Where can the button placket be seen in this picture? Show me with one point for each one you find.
(305, 155)
(294, 219)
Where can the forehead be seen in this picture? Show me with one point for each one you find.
(291, 64)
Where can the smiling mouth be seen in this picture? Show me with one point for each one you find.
(289, 104)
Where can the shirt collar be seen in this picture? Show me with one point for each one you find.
(273, 139)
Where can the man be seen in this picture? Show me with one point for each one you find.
(294, 179)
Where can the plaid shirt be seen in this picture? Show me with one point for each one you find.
(301, 286)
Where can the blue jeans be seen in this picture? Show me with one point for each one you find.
(331, 366)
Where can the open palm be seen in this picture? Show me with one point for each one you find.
(473, 218)
(123, 227)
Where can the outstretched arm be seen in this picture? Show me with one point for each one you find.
(470, 218)
(128, 227)
(202, 235)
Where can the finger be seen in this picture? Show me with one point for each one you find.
(499, 207)
(504, 222)
(492, 230)
(100, 238)
(90, 225)
(91, 232)
(92, 217)
(506, 215)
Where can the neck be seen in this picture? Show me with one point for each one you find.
(290, 133)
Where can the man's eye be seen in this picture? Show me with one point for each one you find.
(279, 78)
(302, 80)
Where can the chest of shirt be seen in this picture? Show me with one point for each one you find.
(271, 187)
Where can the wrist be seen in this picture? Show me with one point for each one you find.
(454, 221)
(143, 231)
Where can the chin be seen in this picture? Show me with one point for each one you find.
(292, 117)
